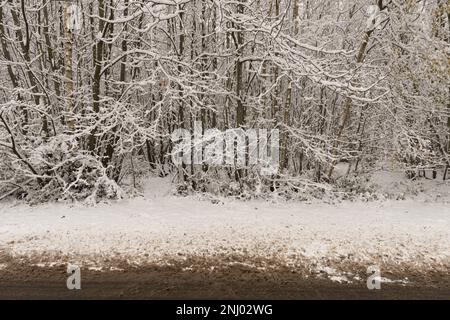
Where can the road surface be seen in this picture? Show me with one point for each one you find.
(19, 281)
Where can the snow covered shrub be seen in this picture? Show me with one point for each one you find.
(72, 174)
(302, 189)
(252, 185)
(242, 190)
(55, 169)
(356, 186)
(182, 189)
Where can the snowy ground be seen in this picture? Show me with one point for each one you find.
(161, 228)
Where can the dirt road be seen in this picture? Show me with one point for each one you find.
(30, 282)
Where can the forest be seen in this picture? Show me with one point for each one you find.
(91, 92)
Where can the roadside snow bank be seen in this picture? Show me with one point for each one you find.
(155, 230)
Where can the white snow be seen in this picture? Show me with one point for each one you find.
(395, 182)
(387, 280)
(339, 279)
(161, 227)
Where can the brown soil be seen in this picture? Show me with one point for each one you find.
(21, 280)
